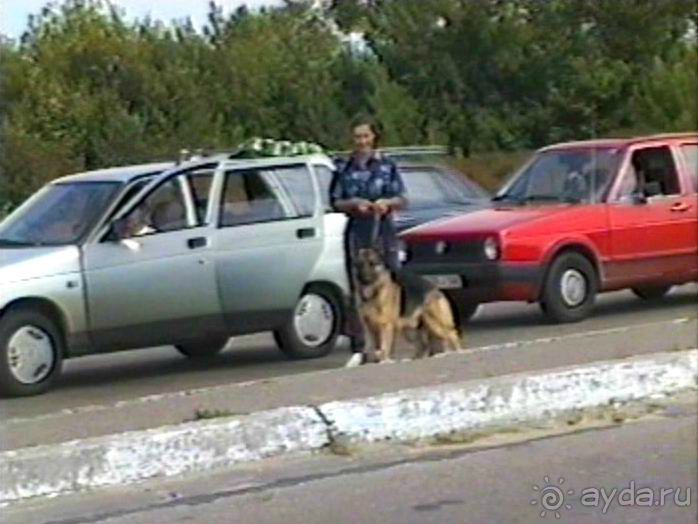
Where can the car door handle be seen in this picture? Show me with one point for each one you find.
(307, 232)
(680, 207)
(197, 243)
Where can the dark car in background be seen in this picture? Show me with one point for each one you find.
(435, 190)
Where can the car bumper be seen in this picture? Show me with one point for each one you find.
(488, 281)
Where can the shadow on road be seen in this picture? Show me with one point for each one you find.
(624, 304)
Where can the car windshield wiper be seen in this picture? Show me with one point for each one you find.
(526, 199)
(542, 198)
(17, 243)
(454, 202)
(502, 198)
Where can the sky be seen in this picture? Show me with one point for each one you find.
(14, 13)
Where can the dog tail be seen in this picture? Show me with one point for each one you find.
(443, 322)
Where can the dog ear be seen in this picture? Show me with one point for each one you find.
(376, 256)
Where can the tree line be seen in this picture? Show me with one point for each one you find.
(85, 87)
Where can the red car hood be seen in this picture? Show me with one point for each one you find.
(482, 223)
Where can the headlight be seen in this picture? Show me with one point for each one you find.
(491, 248)
(441, 248)
(403, 252)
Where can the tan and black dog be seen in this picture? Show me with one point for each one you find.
(406, 304)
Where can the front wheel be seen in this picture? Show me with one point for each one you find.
(464, 311)
(31, 353)
(651, 293)
(312, 330)
(570, 289)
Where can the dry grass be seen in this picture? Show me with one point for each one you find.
(490, 170)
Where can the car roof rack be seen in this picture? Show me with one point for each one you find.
(256, 148)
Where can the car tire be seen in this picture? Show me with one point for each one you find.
(202, 350)
(314, 326)
(31, 352)
(570, 288)
(651, 292)
(464, 311)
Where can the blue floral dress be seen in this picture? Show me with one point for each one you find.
(378, 178)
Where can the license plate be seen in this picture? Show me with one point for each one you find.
(446, 281)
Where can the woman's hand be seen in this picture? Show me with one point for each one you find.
(364, 207)
(383, 207)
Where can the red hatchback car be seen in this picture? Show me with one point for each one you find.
(580, 218)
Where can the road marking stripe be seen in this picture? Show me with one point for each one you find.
(572, 336)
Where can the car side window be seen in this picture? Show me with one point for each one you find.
(201, 183)
(690, 158)
(298, 185)
(130, 194)
(248, 198)
(324, 178)
(162, 211)
(629, 184)
(655, 172)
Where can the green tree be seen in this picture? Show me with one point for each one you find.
(667, 98)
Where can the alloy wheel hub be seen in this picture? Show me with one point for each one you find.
(314, 320)
(573, 287)
(31, 355)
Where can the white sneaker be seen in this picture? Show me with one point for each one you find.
(355, 361)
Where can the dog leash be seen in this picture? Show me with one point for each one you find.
(375, 232)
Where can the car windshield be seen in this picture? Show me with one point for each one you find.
(59, 214)
(572, 176)
(429, 187)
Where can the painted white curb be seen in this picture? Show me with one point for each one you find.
(162, 452)
(406, 415)
(510, 400)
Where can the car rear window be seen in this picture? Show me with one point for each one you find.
(690, 156)
(428, 187)
(298, 185)
(324, 178)
(248, 198)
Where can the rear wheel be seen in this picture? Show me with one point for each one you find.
(570, 289)
(31, 352)
(312, 330)
(204, 349)
(651, 292)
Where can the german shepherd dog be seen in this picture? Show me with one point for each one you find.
(402, 303)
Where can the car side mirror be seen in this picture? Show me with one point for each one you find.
(638, 198)
(653, 189)
(119, 230)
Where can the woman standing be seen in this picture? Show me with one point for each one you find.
(369, 189)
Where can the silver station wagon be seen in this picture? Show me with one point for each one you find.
(162, 254)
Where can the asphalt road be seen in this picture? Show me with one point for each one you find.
(579, 473)
(107, 379)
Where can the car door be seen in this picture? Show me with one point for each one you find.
(158, 286)
(688, 152)
(650, 231)
(268, 241)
